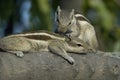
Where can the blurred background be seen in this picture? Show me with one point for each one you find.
(17, 16)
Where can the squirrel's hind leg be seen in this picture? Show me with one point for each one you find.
(17, 53)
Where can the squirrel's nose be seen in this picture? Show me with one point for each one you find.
(62, 30)
(68, 31)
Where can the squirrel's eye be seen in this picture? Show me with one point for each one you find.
(69, 23)
(79, 45)
(58, 20)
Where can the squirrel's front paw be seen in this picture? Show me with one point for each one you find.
(71, 60)
(90, 50)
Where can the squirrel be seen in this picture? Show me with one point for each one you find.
(77, 25)
(43, 41)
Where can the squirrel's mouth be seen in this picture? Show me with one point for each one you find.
(64, 31)
(68, 31)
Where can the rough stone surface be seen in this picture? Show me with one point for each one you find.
(48, 66)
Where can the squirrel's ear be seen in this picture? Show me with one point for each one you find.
(58, 9)
(72, 13)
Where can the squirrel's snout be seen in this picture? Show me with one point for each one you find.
(62, 30)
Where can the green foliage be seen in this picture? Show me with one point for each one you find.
(6, 8)
(107, 18)
(42, 9)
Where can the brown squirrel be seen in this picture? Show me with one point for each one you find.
(43, 41)
(75, 25)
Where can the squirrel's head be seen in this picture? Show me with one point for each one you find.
(74, 41)
(64, 19)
